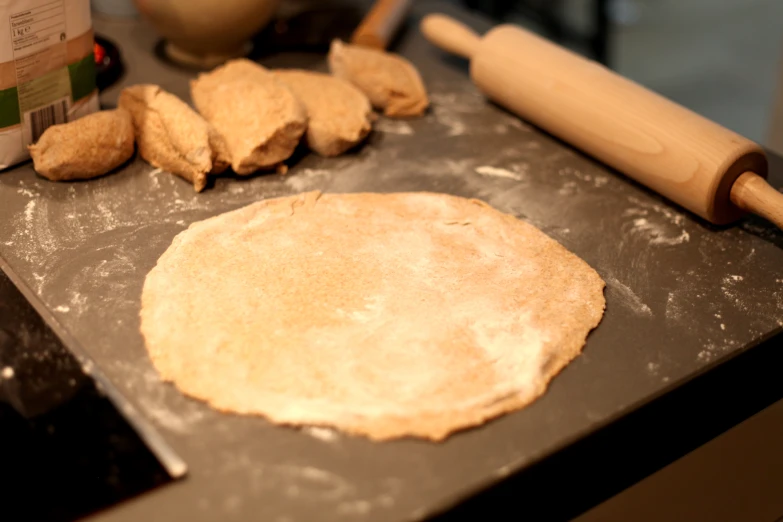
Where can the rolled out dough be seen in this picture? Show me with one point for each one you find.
(385, 315)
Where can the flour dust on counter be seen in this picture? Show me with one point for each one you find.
(657, 223)
(486, 170)
(624, 294)
(389, 126)
(454, 313)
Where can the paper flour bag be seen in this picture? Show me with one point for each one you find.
(47, 70)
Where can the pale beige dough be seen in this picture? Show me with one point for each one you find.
(411, 314)
(339, 113)
(172, 136)
(85, 148)
(258, 116)
(390, 81)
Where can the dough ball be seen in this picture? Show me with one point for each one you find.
(170, 134)
(85, 148)
(390, 81)
(339, 113)
(258, 116)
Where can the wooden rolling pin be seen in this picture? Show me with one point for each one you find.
(691, 160)
(381, 23)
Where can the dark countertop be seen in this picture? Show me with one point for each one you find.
(67, 451)
(685, 302)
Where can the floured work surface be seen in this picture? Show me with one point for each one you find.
(680, 296)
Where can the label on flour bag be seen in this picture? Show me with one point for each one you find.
(48, 70)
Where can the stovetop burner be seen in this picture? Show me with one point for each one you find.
(67, 451)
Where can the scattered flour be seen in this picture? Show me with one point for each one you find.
(324, 434)
(306, 179)
(154, 177)
(629, 298)
(455, 125)
(108, 216)
(656, 223)
(730, 292)
(62, 308)
(354, 507)
(569, 188)
(455, 166)
(28, 215)
(79, 302)
(398, 127)
(465, 102)
(657, 234)
(181, 423)
(504, 471)
(88, 367)
(597, 180)
(311, 483)
(448, 108)
(486, 170)
(516, 122)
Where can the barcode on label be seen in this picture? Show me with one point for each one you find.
(45, 117)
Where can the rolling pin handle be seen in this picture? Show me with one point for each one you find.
(450, 35)
(751, 192)
(381, 23)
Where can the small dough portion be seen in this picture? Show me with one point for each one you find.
(383, 315)
(390, 81)
(339, 113)
(259, 117)
(172, 136)
(85, 148)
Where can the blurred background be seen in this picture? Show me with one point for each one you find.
(720, 58)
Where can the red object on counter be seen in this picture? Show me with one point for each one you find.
(108, 64)
(100, 53)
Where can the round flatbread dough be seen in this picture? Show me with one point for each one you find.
(385, 315)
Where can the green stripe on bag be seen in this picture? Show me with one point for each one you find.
(82, 77)
(9, 108)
